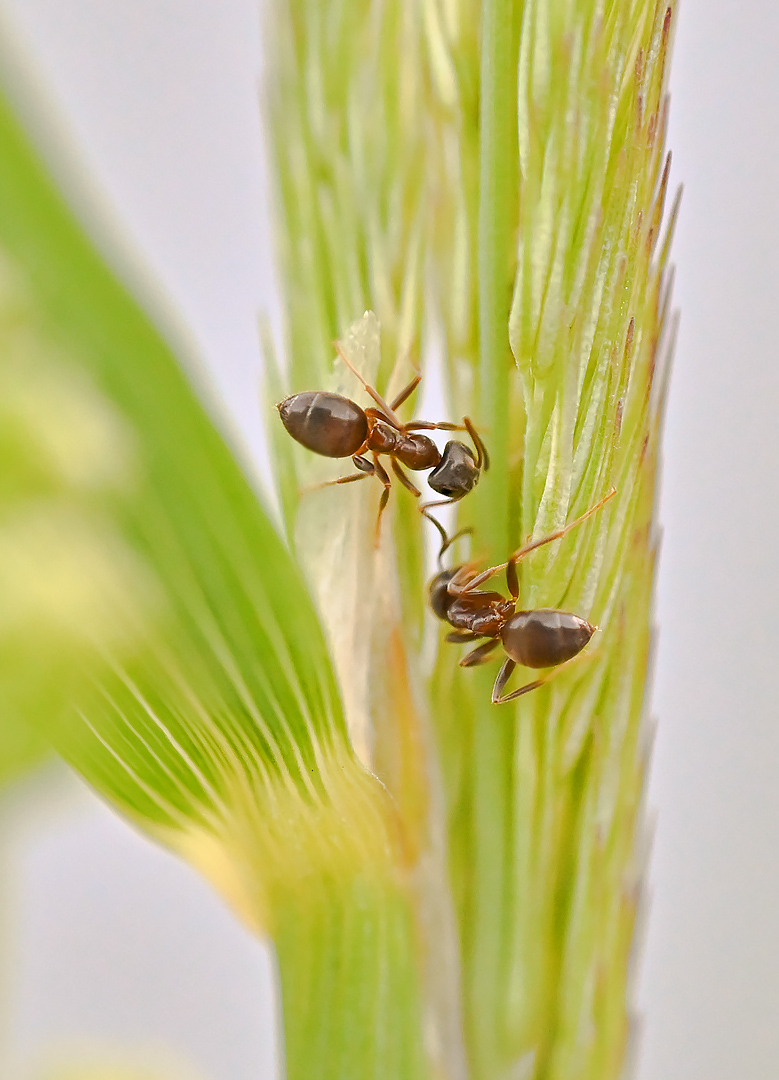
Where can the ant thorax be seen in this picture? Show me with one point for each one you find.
(413, 450)
(482, 613)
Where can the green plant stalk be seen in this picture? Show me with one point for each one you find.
(157, 629)
(546, 182)
(544, 796)
(482, 932)
(351, 139)
(498, 212)
(349, 982)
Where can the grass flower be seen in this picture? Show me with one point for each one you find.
(450, 886)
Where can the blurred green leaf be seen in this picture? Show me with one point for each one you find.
(156, 628)
(21, 748)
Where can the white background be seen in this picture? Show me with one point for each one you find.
(122, 946)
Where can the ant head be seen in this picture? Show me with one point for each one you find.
(438, 592)
(456, 474)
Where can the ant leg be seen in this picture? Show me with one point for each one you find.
(558, 533)
(407, 484)
(512, 581)
(500, 683)
(502, 677)
(461, 579)
(382, 474)
(482, 456)
(364, 465)
(385, 408)
(429, 425)
(404, 394)
(462, 637)
(481, 654)
(533, 544)
(341, 480)
(365, 469)
(377, 414)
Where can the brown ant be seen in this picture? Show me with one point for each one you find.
(535, 639)
(335, 426)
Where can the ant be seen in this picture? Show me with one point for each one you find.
(335, 426)
(535, 639)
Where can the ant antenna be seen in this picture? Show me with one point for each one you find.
(446, 540)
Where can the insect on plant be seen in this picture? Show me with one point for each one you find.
(338, 427)
(542, 638)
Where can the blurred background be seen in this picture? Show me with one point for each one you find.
(120, 952)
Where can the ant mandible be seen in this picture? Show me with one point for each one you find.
(337, 427)
(541, 638)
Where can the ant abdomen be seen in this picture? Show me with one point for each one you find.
(545, 637)
(328, 424)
